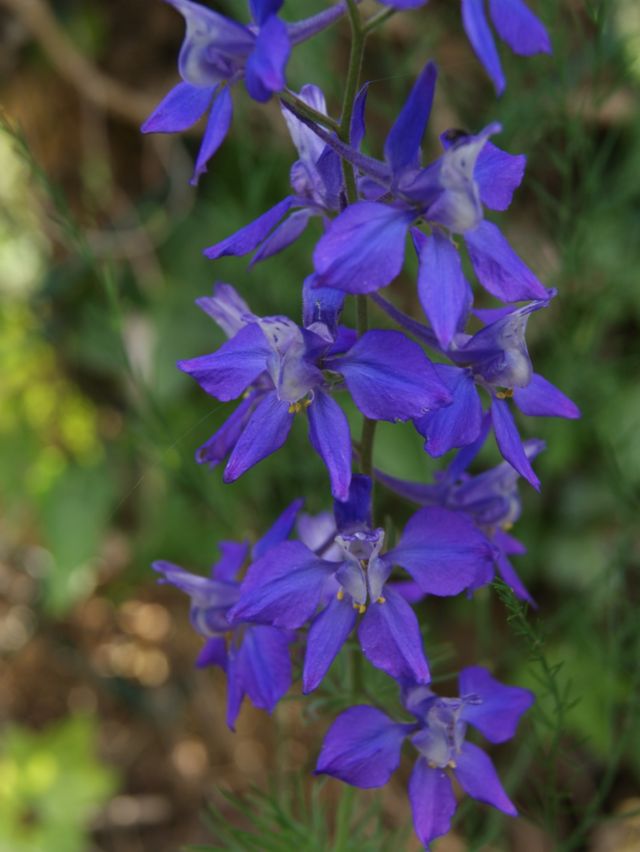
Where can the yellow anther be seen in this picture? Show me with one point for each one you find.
(432, 765)
(508, 525)
(360, 607)
(295, 408)
(507, 393)
(306, 403)
(340, 594)
(246, 394)
(381, 600)
(452, 764)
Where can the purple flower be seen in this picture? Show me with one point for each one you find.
(514, 22)
(363, 248)
(496, 360)
(280, 370)
(491, 499)
(254, 657)
(215, 54)
(316, 181)
(362, 747)
(441, 550)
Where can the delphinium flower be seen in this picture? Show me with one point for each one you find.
(495, 360)
(316, 181)
(216, 53)
(280, 369)
(363, 249)
(362, 747)
(291, 586)
(514, 22)
(254, 657)
(491, 499)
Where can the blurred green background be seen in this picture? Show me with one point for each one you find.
(110, 740)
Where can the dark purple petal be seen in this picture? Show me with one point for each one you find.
(363, 249)
(501, 707)
(249, 237)
(358, 128)
(220, 444)
(390, 377)
(354, 513)
(390, 638)
(442, 550)
(433, 802)
(477, 776)
(232, 557)
(213, 653)
(519, 27)
(265, 433)
(511, 578)
(217, 128)
(479, 34)
(498, 267)
(498, 175)
(179, 110)
(264, 665)
(402, 146)
(362, 747)
(321, 304)
(331, 439)
(510, 443)
(264, 72)
(327, 635)
(444, 292)
(280, 530)
(284, 587)
(262, 9)
(227, 373)
(286, 232)
(457, 424)
(235, 688)
(542, 399)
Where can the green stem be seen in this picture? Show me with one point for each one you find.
(343, 820)
(377, 20)
(308, 112)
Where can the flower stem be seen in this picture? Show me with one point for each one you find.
(304, 109)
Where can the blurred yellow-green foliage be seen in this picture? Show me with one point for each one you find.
(100, 261)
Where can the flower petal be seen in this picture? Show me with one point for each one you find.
(264, 665)
(217, 128)
(390, 377)
(479, 34)
(265, 69)
(442, 550)
(331, 439)
(280, 530)
(358, 127)
(285, 233)
(444, 292)
(226, 308)
(362, 747)
(501, 707)
(523, 31)
(402, 146)
(220, 444)
(327, 635)
(542, 399)
(249, 237)
(363, 248)
(179, 109)
(498, 175)
(266, 432)
(227, 373)
(433, 803)
(510, 443)
(498, 267)
(390, 638)
(283, 588)
(354, 513)
(458, 423)
(213, 653)
(232, 557)
(262, 9)
(477, 776)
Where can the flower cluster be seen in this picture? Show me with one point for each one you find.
(312, 581)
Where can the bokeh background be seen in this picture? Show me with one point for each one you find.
(110, 740)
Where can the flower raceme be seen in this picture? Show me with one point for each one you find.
(280, 369)
(291, 586)
(514, 22)
(216, 53)
(362, 747)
